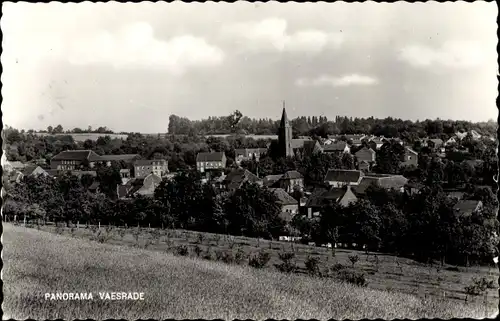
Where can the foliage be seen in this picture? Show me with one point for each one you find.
(260, 260)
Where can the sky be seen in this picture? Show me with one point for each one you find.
(129, 66)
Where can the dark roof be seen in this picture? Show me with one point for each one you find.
(411, 151)
(436, 140)
(385, 181)
(28, 170)
(466, 207)
(343, 175)
(340, 146)
(284, 118)
(246, 151)
(283, 197)
(210, 157)
(80, 155)
(94, 186)
(238, 176)
(124, 170)
(365, 149)
(52, 172)
(124, 157)
(292, 175)
(321, 196)
(269, 180)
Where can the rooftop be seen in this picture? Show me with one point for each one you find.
(209, 157)
(343, 175)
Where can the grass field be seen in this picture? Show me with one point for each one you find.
(36, 262)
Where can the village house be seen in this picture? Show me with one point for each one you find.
(410, 157)
(385, 181)
(343, 177)
(139, 186)
(433, 143)
(144, 167)
(366, 154)
(238, 176)
(375, 143)
(321, 196)
(338, 148)
(210, 161)
(306, 147)
(74, 159)
(242, 154)
(289, 181)
(294, 147)
(289, 205)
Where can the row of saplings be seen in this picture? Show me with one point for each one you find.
(287, 263)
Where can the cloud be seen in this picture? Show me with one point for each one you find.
(453, 54)
(272, 34)
(344, 81)
(136, 45)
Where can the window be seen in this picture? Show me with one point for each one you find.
(409, 157)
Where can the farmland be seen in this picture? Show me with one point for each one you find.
(39, 262)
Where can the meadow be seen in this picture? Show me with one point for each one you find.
(76, 260)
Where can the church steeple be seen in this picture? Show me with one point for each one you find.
(285, 135)
(284, 118)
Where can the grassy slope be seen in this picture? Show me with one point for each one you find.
(36, 262)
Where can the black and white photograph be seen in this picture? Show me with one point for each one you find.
(266, 160)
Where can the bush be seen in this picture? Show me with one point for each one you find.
(240, 256)
(479, 286)
(337, 267)
(287, 265)
(312, 265)
(102, 236)
(208, 255)
(182, 250)
(200, 239)
(354, 259)
(352, 277)
(226, 257)
(197, 250)
(260, 260)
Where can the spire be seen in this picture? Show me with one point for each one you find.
(284, 118)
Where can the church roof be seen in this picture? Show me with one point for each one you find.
(284, 119)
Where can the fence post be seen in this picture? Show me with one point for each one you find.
(77, 224)
(24, 220)
(99, 225)
(149, 225)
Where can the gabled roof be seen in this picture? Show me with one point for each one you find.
(436, 141)
(28, 170)
(292, 175)
(384, 181)
(52, 172)
(343, 175)
(210, 157)
(283, 197)
(124, 157)
(79, 155)
(246, 151)
(411, 151)
(466, 207)
(321, 196)
(238, 176)
(94, 186)
(335, 147)
(365, 149)
(269, 180)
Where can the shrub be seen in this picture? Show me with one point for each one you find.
(240, 256)
(226, 257)
(182, 250)
(287, 265)
(337, 267)
(312, 265)
(121, 232)
(59, 229)
(197, 250)
(216, 239)
(208, 255)
(352, 277)
(479, 286)
(260, 260)
(453, 268)
(354, 259)
(200, 239)
(102, 236)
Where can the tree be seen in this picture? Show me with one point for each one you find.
(58, 130)
(389, 158)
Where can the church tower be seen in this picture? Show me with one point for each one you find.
(285, 135)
